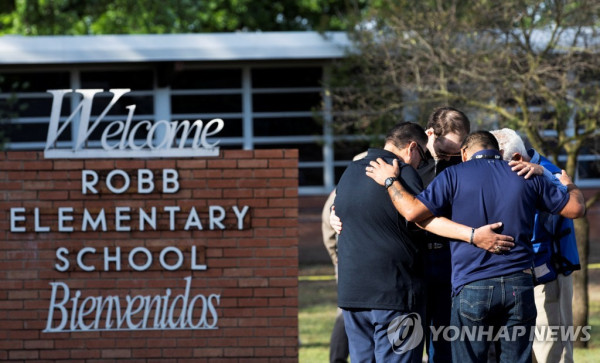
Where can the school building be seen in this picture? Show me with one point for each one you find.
(269, 88)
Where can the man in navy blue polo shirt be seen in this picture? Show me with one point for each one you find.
(490, 290)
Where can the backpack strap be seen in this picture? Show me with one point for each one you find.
(561, 263)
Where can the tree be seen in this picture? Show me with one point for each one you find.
(72, 17)
(530, 65)
(9, 107)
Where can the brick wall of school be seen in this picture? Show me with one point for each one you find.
(250, 277)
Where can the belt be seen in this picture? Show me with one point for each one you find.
(434, 245)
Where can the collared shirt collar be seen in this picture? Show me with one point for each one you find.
(487, 154)
(534, 155)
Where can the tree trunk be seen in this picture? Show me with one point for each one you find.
(580, 278)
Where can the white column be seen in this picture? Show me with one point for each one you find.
(75, 99)
(328, 159)
(247, 122)
(162, 110)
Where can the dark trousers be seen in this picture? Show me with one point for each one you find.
(439, 303)
(338, 346)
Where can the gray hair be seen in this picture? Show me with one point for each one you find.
(511, 143)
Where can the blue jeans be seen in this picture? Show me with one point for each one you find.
(384, 335)
(500, 307)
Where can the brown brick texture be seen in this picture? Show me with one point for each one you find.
(252, 270)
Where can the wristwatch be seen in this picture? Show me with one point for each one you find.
(389, 181)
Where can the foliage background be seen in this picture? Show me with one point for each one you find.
(75, 17)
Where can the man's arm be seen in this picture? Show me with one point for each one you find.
(575, 207)
(483, 237)
(407, 205)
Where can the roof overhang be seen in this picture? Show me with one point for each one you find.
(239, 46)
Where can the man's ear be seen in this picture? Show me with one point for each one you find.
(517, 157)
(429, 131)
(411, 146)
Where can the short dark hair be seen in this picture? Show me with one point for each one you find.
(405, 132)
(484, 139)
(444, 120)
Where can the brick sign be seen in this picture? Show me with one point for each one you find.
(180, 259)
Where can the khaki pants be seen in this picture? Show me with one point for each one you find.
(554, 303)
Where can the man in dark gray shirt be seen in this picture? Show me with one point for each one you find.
(381, 261)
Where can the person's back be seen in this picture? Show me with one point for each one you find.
(376, 244)
(492, 290)
(380, 264)
(484, 191)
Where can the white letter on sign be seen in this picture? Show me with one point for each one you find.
(145, 183)
(170, 182)
(60, 306)
(87, 184)
(16, 218)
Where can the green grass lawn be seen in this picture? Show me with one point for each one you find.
(592, 353)
(318, 308)
(317, 303)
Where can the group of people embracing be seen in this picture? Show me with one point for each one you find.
(440, 229)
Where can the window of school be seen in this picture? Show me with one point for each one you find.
(263, 106)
